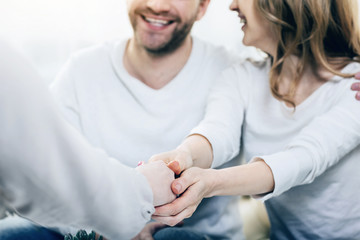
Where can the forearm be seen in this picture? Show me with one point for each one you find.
(200, 150)
(249, 179)
(195, 183)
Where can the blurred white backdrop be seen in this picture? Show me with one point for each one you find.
(48, 31)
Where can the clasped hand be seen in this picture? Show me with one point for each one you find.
(191, 186)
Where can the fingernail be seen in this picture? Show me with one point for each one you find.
(141, 163)
(174, 163)
(177, 187)
(357, 75)
(175, 166)
(358, 96)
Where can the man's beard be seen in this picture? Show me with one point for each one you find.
(176, 40)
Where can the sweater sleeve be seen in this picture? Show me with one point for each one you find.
(50, 174)
(320, 145)
(224, 115)
(64, 91)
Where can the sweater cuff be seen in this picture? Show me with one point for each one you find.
(289, 169)
(218, 155)
(147, 208)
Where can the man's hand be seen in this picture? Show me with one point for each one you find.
(149, 230)
(177, 160)
(356, 86)
(194, 184)
(160, 178)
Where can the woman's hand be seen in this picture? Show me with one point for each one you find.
(356, 86)
(194, 184)
(177, 160)
(196, 151)
(160, 178)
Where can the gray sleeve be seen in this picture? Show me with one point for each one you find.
(50, 174)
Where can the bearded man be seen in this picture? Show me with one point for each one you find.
(140, 96)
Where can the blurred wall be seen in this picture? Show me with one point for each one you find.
(48, 31)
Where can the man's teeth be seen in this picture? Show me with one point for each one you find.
(242, 20)
(157, 22)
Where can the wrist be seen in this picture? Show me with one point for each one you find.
(213, 185)
(184, 153)
(199, 149)
(186, 149)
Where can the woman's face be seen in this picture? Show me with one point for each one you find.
(257, 30)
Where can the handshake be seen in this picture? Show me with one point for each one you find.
(191, 185)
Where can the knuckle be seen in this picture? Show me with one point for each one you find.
(191, 172)
(173, 211)
(192, 198)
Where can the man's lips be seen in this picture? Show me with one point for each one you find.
(157, 22)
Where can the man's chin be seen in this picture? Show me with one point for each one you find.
(159, 51)
(162, 45)
(154, 46)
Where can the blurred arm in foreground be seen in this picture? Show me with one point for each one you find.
(51, 175)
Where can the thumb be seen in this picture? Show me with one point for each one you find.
(177, 187)
(175, 167)
(181, 161)
(180, 184)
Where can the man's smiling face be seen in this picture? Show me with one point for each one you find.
(161, 26)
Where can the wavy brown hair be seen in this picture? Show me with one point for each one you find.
(318, 32)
